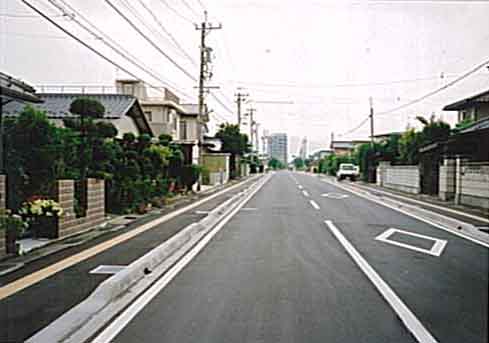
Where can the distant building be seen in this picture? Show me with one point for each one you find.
(346, 147)
(474, 108)
(278, 147)
(303, 149)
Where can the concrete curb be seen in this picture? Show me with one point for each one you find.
(119, 288)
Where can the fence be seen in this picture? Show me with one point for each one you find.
(402, 178)
(472, 186)
(3, 196)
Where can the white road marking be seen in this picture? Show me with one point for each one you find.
(107, 269)
(412, 323)
(335, 195)
(202, 212)
(314, 204)
(305, 193)
(249, 209)
(435, 250)
(456, 233)
(119, 323)
(300, 187)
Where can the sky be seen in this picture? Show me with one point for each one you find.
(309, 66)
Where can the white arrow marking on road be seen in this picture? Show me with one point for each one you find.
(305, 193)
(314, 204)
(407, 317)
(435, 250)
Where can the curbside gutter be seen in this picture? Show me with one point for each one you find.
(117, 292)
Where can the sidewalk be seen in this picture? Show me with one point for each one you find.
(477, 217)
(43, 289)
(36, 249)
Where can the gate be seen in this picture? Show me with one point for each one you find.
(430, 162)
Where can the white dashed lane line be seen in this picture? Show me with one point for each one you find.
(314, 204)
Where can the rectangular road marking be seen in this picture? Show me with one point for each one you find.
(119, 323)
(314, 204)
(412, 323)
(202, 212)
(249, 209)
(432, 223)
(305, 193)
(435, 250)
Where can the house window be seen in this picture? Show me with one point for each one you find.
(149, 115)
(183, 130)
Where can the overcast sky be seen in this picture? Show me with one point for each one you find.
(327, 57)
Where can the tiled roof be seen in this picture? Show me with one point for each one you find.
(58, 105)
(467, 102)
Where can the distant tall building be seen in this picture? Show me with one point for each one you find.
(303, 149)
(294, 143)
(278, 147)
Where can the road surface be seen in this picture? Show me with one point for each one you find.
(305, 261)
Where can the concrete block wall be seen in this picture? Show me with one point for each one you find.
(3, 191)
(402, 178)
(3, 197)
(447, 180)
(474, 185)
(68, 224)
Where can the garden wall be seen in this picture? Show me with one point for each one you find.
(447, 183)
(473, 184)
(68, 224)
(401, 178)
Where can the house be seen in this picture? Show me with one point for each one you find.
(123, 111)
(473, 108)
(162, 113)
(345, 147)
(385, 136)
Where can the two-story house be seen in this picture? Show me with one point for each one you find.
(162, 113)
(474, 108)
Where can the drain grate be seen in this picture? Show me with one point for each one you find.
(484, 229)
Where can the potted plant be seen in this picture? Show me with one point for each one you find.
(42, 215)
(13, 226)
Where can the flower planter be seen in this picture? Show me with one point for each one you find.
(45, 227)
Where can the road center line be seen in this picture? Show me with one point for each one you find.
(314, 204)
(125, 317)
(305, 193)
(412, 323)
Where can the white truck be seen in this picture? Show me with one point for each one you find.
(347, 170)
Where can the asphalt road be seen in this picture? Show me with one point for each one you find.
(31, 309)
(276, 272)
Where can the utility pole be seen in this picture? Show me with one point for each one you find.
(205, 58)
(252, 123)
(240, 97)
(371, 121)
(257, 125)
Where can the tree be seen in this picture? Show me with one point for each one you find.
(298, 163)
(409, 144)
(275, 164)
(433, 130)
(87, 109)
(233, 142)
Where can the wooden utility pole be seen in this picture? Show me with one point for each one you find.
(205, 58)
(240, 97)
(252, 123)
(371, 121)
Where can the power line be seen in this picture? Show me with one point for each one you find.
(363, 122)
(427, 95)
(168, 33)
(136, 28)
(190, 8)
(107, 59)
(27, 16)
(181, 16)
(438, 90)
(111, 43)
